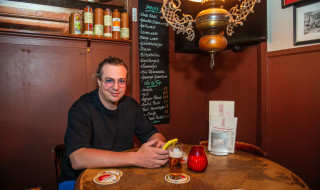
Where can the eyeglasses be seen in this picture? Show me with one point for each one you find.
(110, 82)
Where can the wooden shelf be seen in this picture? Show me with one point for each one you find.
(75, 4)
(60, 36)
(48, 18)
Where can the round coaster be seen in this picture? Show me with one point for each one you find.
(116, 172)
(184, 179)
(106, 179)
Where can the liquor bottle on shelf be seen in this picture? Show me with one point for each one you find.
(98, 22)
(116, 24)
(107, 14)
(88, 21)
(124, 31)
(75, 23)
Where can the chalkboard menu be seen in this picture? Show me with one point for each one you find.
(153, 62)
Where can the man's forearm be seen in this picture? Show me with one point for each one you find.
(93, 158)
(148, 156)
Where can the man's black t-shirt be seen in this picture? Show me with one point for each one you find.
(91, 125)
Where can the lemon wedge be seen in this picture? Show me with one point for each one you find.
(170, 143)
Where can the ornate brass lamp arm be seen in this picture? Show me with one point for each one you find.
(169, 10)
(236, 16)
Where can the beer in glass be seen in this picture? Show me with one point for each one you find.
(175, 160)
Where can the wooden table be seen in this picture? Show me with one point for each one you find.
(235, 171)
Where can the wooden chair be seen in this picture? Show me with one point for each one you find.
(245, 147)
(57, 153)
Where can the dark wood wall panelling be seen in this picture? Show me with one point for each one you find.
(40, 78)
(293, 124)
(38, 84)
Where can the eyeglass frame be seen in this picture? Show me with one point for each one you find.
(113, 82)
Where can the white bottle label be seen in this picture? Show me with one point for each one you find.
(124, 33)
(98, 29)
(88, 17)
(107, 20)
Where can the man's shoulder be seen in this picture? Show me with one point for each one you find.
(128, 101)
(86, 99)
(89, 96)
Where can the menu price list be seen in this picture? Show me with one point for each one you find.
(153, 62)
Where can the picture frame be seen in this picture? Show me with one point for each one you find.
(289, 3)
(306, 23)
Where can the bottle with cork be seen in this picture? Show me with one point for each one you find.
(88, 21)
(107, 17)
(124, 31)
(116, 24)
(98, 22)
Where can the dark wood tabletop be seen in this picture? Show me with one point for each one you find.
(234, 171)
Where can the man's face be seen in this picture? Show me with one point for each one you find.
(111, 88)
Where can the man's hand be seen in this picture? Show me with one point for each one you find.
(151, 156)
(161, 140)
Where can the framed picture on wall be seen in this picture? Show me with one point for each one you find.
(288, 3)
(306, 23)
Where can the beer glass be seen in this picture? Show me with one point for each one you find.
(175, 160)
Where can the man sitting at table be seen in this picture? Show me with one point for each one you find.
(102, 123)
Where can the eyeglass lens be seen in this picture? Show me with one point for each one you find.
(110, 82)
